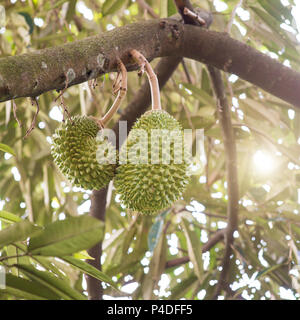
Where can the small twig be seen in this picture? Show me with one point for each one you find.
(33, 123)
(13, 257)
(229, 86)
(233, 14)
(178, 248)
(270, 140)
(121, 88)
(217, 237)
(177, 262)
(181, 6)
(194, 16)
(188, 115)
(93, 84)
(188, 77)
(208, 153)
(213, 215)
(147, 8)
(15, 113)
(62, 103)
(66, 111)
(154, 86)
(64, 89)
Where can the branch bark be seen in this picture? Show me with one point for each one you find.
(98, 204)
(32, 74)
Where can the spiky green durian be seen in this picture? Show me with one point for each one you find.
(86, 159)
(145, 186)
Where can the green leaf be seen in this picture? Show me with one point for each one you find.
(269, 114)
(194, 248)
(154, 234)
(156, 268)
(6, 148)
(9, 217)
(59, 3)
(267, 270)
(27, 289)
(90, 270)
(278, 11)
(66, 237)
(71, 10)
(17, 232)
(57, 286)
(110, 7)
(171, 8)
(82, 255)
(181, 288)
(28, 20)
(200, 94)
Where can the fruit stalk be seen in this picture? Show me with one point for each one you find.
(154, 86)
(121, 94)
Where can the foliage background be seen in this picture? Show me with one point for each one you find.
(137, 248)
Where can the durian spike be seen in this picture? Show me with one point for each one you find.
(154, 86)
(122, 89)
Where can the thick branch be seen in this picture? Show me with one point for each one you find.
(35, 73)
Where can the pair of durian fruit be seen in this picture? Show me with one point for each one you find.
(143, 186)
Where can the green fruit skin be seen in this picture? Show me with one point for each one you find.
(74, 150)
(149, 188)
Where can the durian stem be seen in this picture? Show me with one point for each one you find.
(154, 86)
(121, 95)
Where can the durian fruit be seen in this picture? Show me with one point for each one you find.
(75, 148)
(145, 186)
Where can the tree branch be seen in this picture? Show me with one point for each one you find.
(144, 5)
(231, 173)
(32, 74)
(231, 160)
(181, 6)
(233, 14)
(217, 237)
(98, 204)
